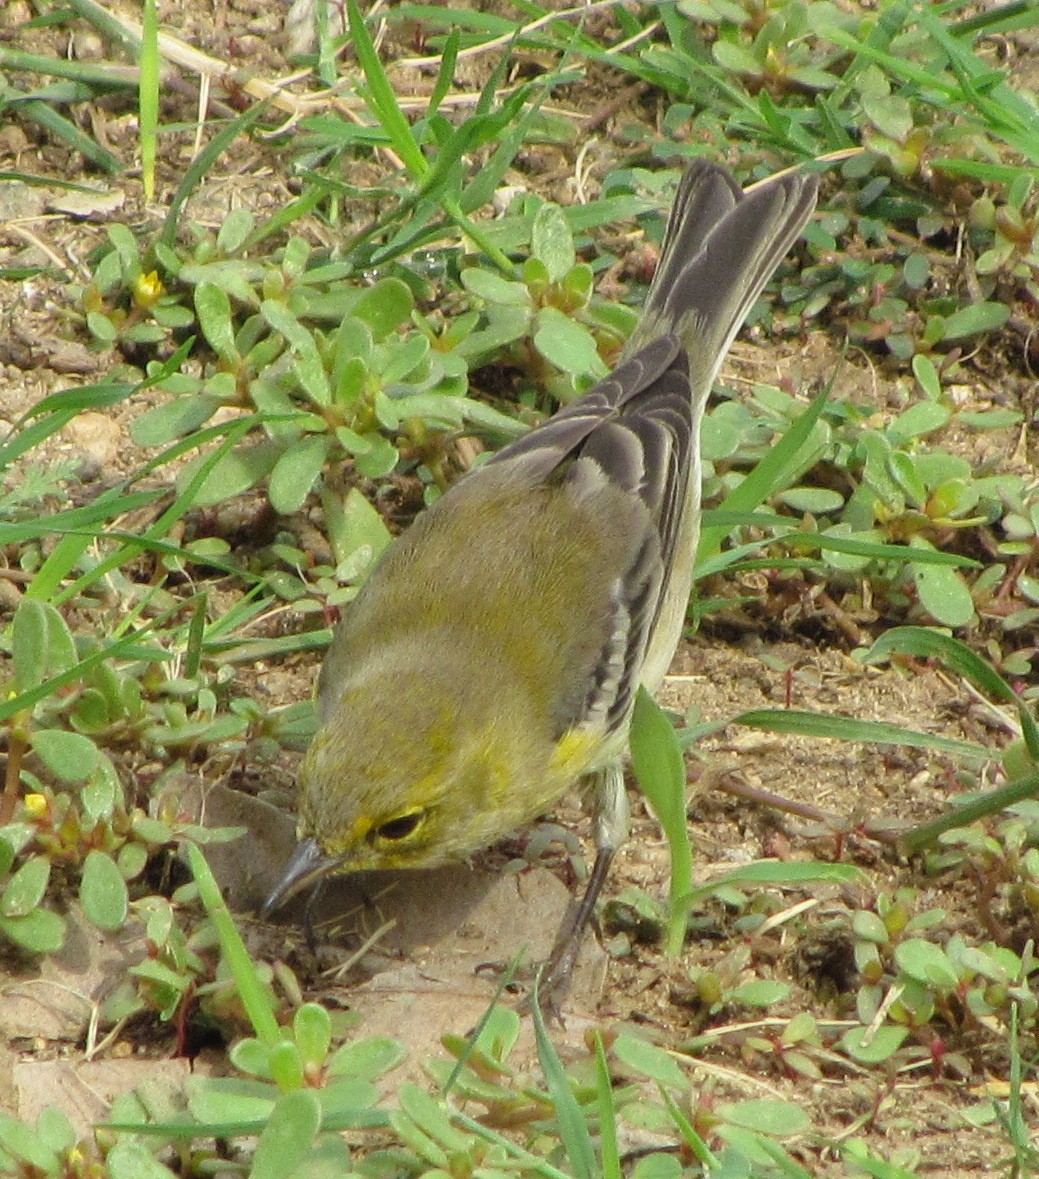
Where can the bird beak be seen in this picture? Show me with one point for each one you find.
(308, 864)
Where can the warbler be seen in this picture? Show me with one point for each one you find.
(490, 662)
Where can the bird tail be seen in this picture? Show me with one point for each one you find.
(720, 247)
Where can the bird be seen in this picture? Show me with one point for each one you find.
(490, 662)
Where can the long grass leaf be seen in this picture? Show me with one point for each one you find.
(959, 658)
(148, 96)
(656, 758)
(446, 72)
(48, 572)
(381, 98)
(56, 124)
(185, 1131)
(88, 518)
(249, 986)
(979, 807)
(203, 163)
(608, 1147)
(846, 728)
(573, 1128)
(131, 646)
(767, 475)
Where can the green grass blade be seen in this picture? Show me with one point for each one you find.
(777, 874)
(187, 1131)
(700, 1150)
(573, 1127)
(531, 1162)
(446, 72)
(846, 728)
(46, 117)
(656, 758)
(767, 476)
(99, 77)
(250, 987)
(62, 560)
(203, 163)
(148, 97)
(608, 1148)
(726, 519)
(380, 96)
(131, 646)
(959, 658)
(989, 803)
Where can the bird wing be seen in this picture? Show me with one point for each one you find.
(638, 429)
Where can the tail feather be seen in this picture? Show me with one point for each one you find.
(722, 245)
(706, 194)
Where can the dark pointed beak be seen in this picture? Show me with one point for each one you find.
(308, 865)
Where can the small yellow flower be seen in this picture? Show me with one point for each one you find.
(147, 289)
(36, 805)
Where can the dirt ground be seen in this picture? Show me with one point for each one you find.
(424, 977)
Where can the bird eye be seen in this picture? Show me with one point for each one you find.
(400, 827)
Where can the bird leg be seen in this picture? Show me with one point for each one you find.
(610, 825)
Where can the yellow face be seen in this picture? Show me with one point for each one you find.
(419, 812)
(392, 809)
(412, 789)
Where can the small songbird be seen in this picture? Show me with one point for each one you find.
(490, 662)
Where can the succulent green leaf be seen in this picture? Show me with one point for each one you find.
(312, 1028)
(131, 1159)
(778, 1118)
(890, 114)
(42, 644)
(916, 421)
(355, 529)
(873, 1045)
(975, 319)
(552, 242)
(943, 593)
(405, 357)
(288, 1136)
(213, 308)
(41, 931)
(296, 472)
(39, 1150)
(494, 288)
(760, 992)
(99, 793)
(132, 860)
(102, 891)
(651, 1061)
(251, 1056)
(734, 57)
(378, 459)
(235, 473)
(286, 1066)
(567, 344)
(72, 757)
(815, 501)
(366, 1059)
(385, 306)
(927, 376)
(926, 963)
(234, 230)
(25, 889)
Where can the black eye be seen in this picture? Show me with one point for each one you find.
(400, 827)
